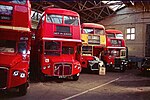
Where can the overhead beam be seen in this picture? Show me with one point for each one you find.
(75, 9)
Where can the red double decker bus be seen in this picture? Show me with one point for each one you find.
(57, 44)
(93, 41)
(114, 55)
(15, 24)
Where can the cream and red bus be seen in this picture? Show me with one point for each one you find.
(93, 41)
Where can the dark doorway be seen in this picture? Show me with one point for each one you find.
(147, 45)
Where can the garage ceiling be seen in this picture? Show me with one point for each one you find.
(89, 10)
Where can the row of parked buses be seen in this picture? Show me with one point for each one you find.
(61, 48)
(102, 47)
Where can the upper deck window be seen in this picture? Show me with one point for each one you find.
(54, 18)
(99, 31)
(88, 31)
(119, 36)
(6, 12)
(111, 35)
(16, 1)
(7, 46)
(71, 20)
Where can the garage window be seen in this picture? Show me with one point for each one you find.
(130, 33)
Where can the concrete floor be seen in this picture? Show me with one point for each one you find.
(113, 86)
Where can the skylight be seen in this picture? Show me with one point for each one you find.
(114, 5)
(35, 15)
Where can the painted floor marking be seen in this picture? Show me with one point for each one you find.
(76, 95)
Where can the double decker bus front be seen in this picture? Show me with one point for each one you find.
(59, 58)
(115, 53)
(59, 34)
(93, 40)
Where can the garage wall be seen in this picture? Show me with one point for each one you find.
(134, 16)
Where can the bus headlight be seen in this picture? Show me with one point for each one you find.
(22, 75)
(79, 67)
(24, 52)
(47, 60)
(44, 67)
(48, 66)
(15, 73)
(75, 66)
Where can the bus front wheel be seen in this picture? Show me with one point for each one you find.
(75, 77)
(23, 89)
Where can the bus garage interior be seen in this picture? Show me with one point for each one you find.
(75, 49)
(130, 17)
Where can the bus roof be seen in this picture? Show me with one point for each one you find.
(61, 11)
(113, 31)
(16, 2)
(93, 25)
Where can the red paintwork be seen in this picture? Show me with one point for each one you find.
(109, 47)
(59, 59)
(109, 59)
(75, 30)
(13, 63)
(108, 43)
(46, 33)
(10, 59)
(47, 29)
(21, 15)
(113, 31)
(19, 26)
(84, 61)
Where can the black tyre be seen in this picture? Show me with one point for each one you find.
(75, 77)
(42, 77)
(122, 69)
(23, 89)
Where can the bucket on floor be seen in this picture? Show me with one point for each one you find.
(102, 70)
